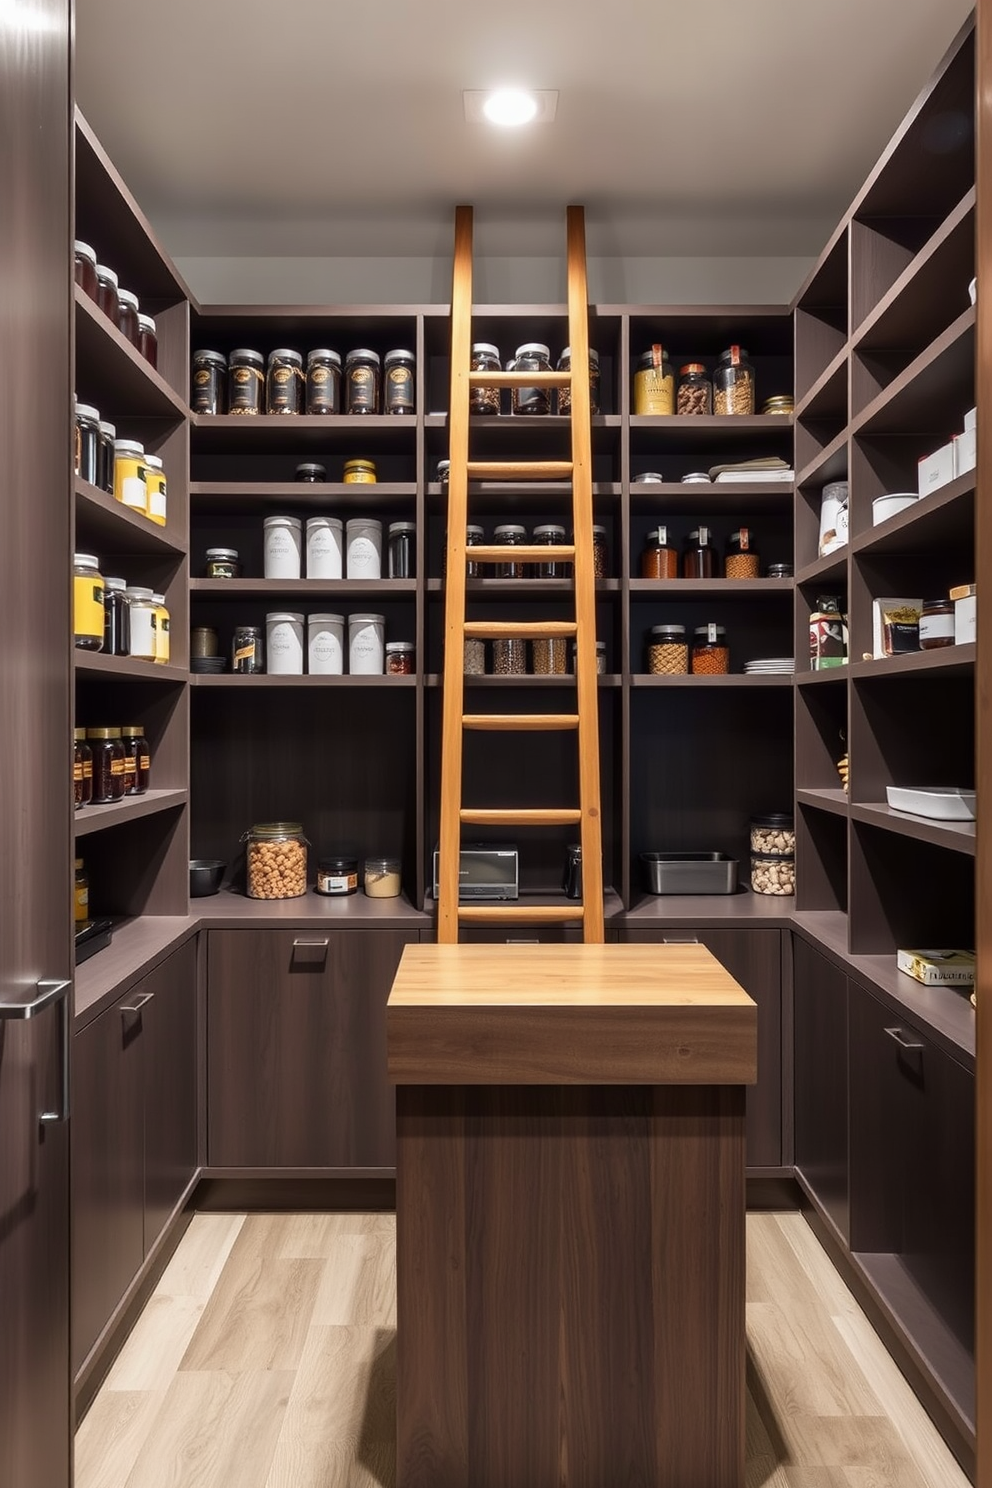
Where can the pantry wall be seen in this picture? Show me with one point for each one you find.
(238, 1044)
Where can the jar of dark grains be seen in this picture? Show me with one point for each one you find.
(106, 435)
(127, 315)
(401, 658)
(659, 560)
(148, 339)
(510, 535)
(208, 390)
(549, 535)
(106, 291)
(695, 391)
(733, 383)
(699, 555)
(668, 651)
(741, 561)
(87, 441)
(549, 654)
(598, 552)
(509, 657)
(399, 383)
(323, 381)
(401, 549)
(109, 775)
(362, 377)
(137, 757)
(483, 399)
(116, 618)
(245, 381)
(82, 768)
(474, 537)
(710, 655)
(248, 650)
(565, 393)
(223, 563)
(533, 356)
(84, 268)
(600, 657)
(311, 473)
(284, 381)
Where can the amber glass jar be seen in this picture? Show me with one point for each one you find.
(659, 560)
(106, 291)
(80, 895)
(82, 769)
(109, 770)
(936, 624)
(148, 340)
(699, 555)
(84, 268)
(127, 315)
(137, 759)
(401, 659)
(710, 654)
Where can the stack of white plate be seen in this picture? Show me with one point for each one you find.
(771, 666)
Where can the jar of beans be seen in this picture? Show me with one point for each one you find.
(710, 653)
(741, 561)
(549, 654)
(773, 874)
(599, 556)
(509, 657)
(565, 393)
(510, 535)
(695, 391)
(659, 560)
(733, 383)
(483, 399)
(668, 651)
(276, 859)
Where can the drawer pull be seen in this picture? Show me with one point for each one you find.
(311, 945)
(680, 940)
(908, 1046)
(138, 1004)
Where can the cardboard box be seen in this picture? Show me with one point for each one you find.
(965, 451)
(936, 470)
(965, 614)
(939, 968)
(899, 636)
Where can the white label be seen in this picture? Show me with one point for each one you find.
(323, 552)
(286, 648)
(364, 560)
(143, 632)
(134, 492)
(157, 502)
(326, 650)
(936, 627)
(282, 553)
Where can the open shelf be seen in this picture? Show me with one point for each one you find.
(741, 909)
(524, 588)
(726, 498)
(946, 661)
(945, 516)
(832, 799)
(726, 679)
(912, 312)
(113, 375)
(228, 679)
(302, 588)
(230, 907)
(272, 433)
(255, 495)
(831, 567)
(958, 836)
(675, 429)
(932, 393)
(107, 525)
(96, 664)
(97, 818)
(138, 944)
(829, 465)
(827, 398)
(687, 588)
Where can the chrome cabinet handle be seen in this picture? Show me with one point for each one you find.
(908, 1046)
(53, 1118)
(138, 1004)
(311, 945)
(680, 940)
(49, 992)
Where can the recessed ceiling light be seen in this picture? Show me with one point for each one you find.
(510, 107)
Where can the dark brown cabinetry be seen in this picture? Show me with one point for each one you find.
(819, 1000)
(296, 1048)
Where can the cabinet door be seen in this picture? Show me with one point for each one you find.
(820, 1011)
(107, 1169)
(753, 958)
(296, 1048)
(170, 1086)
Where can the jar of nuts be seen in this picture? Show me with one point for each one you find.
(733, 383)
(773, 834)
(276, 857)
(773, 874)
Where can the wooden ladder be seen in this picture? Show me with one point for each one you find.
(585, 721)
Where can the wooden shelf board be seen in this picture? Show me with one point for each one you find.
(957, 836)
(110, 526)
(816, 679)
(831, 566)
(138, 945)
(829, 465)
(608, 679)
(740, 588)
(835, 799)
(917, 401)
(303, 588)
(523, 589)
(233, 909)
(96, 664)
(98, 818)
(229, 679)
(946, 661)
(946, 514)
(699, 910)
(727, 679)
(115, 376)
(827, 398)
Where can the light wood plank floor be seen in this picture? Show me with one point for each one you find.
(265, 1359)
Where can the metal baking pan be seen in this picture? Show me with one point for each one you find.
(689, 873)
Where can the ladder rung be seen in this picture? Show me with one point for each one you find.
(522, 722)
(494, 553)
(519, 470)
(519, 914)
(532, 816)
(522, 630)
(519, 379)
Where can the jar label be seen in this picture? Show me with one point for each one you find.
(245, 388)
(87, 606)
(143, 632)
(134, 492)
(361, 390)
(363, 559)
(338, 883)
(399, 389)
(244, 653)
(654, 393)
(936, 627)
(118, 766)
(144, 762)
(77, 770)
(157, 500)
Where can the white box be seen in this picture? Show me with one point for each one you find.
(971, 420)
(965, 614)
(965, 451)
(911, 609)
(936, 469)
(939, 968)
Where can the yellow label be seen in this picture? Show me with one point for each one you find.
(81, 904)
(87, 605)
(653, 392)
(77, 770)
(244, 653)
(118, 767)
(144, 762)
(359, 478)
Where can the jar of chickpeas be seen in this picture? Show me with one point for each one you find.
(276, 860)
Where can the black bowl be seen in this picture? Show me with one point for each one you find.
(205, 875)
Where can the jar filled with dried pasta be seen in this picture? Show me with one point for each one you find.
(695, 392)
(733, 383)
(710, 653)
(741, 560)
(668, 651)
(654, 383)
(276, 860)
(483, 399)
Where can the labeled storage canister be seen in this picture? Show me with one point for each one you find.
(741, 561)
(733, 383)
(401, 658)
(323, 394)
(310, 473)
(84, 268)
(965, 600)
(82, 769)
(695, 391)
(163, 640)
(550, 535)
(246, 382)
(106, 435)
(337, 876)
(156, 491)
(282, 547)
(362, 374)
(86, 459)
(936, 624)
(510, 535)
(659, 559)
(710, 653)
(284, 643)
(137, 758)
(276, 860)
(109, 775)
(359, 472)
(129, 475)
(668, 651)
(565, 393)
(148, 339)
(106, 291)
(482, 399)
(223, 563)
(654, 383)
(399, 382)
(208, 390)
(116, 618)
(366, 635)
(284, 381)
(699, 555)
(324, 545)
(144, 623)
(127, 315)
(363, 545)
(87, 602)
(325, 645)
(248, 651)
(401, 550)
(774, 834)
(533, 356)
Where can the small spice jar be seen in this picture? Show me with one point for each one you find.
(779, 571)
(137, 759)
(668, 651)
(87, 602)
(550, 535)
(733, 383)
(223, 563)
(284, 381)
(399, 382)
(84, 268)
(106, 291)
(86, 457)
(109, 774)
(509, 657)
(710, 653)
(82, 765)
(654, 383)
(276, 860)
(774, 834)
(659, 559)
(782, 403)
(127, 315)
(401, 658)
(208, 390)
(483, 399)
(310, 473)
(359, 472)
(533, 356)
(695, 391)
(510, 535)
(401, 550)
(323, 383)
(116, 618)
(362, 376)
(106, 436)
(699, 555)
(246, 382)
(382, 878)
(936, 624)
(565, 393)
(80, 895)
(550, 656)
(600, 657)
(248, 650)
(148, 339)
(337, 876)
(741, 560)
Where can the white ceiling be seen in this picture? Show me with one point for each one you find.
(312, 127)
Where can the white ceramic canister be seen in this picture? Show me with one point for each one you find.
(324, 540)
(366, 648)
(283, 547)
(284, 644)
(364, 546)
(326, 645)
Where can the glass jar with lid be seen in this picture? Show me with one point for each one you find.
(659, 559)
(337, 876)
(80, 895)
(695, 391)
(223, 563)
(86, 457)
(382, 878)
(106, 437)
(483, 400)
(359, 473)
(510, 535)
(475, 536)
(509, 657)
(248, 651)
(600, 657)
(733, 383)
(109, 773)
(148, 339)
(550, 535)
(710, 653)
(323, 382)
(599, 556)
(87, 602)
(399, 382)
(82, 770)
(127, 315)
(144, 623)
(106, 291)
(565, 393)
(654, 382)
(116, 618)
(773, 874)
(401, 658)
(162, 630)
(156, 491)
(276, 860)
(284, 381)
(936, 624)
(550, 656)
(362, 379)
(137, 758)
(130, 475)
(208, 390)
(84, 268)
(668, 651)
(310, 473)
(741, 560)
(401, 550)
(532, 356)
(246, 382)
(773, 834)
(699, 555)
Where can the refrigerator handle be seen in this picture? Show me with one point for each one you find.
(49, 993)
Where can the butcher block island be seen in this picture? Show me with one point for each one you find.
(570, 1215)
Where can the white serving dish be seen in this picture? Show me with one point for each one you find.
(941, 803)
(884, 507)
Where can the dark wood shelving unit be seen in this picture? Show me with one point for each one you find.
(99, 818)
(227, 679)
(958, 836)
(945, 662)
(112, 527)
(825, 570)
(94, 664)
(827, 398)
(824, 799)
(113, 374)
(946, 516)
(828, 464)
(234, 589)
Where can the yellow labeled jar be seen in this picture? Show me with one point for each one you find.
(161, 630)
(359, 473)
(130, 474)
(654, 383)
(87, 602)
(155, 490)
(80, 895)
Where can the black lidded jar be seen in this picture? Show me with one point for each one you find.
(284, 381)
(401, 550)
(362, 381)
(208, 382)
(310, 473)
(399, 382)
(323, 381)
(337, 876)
(245, 381)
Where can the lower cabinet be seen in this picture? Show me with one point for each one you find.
(754, 959)
(296, 1048)
(820, 1003)
(133, 1136)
